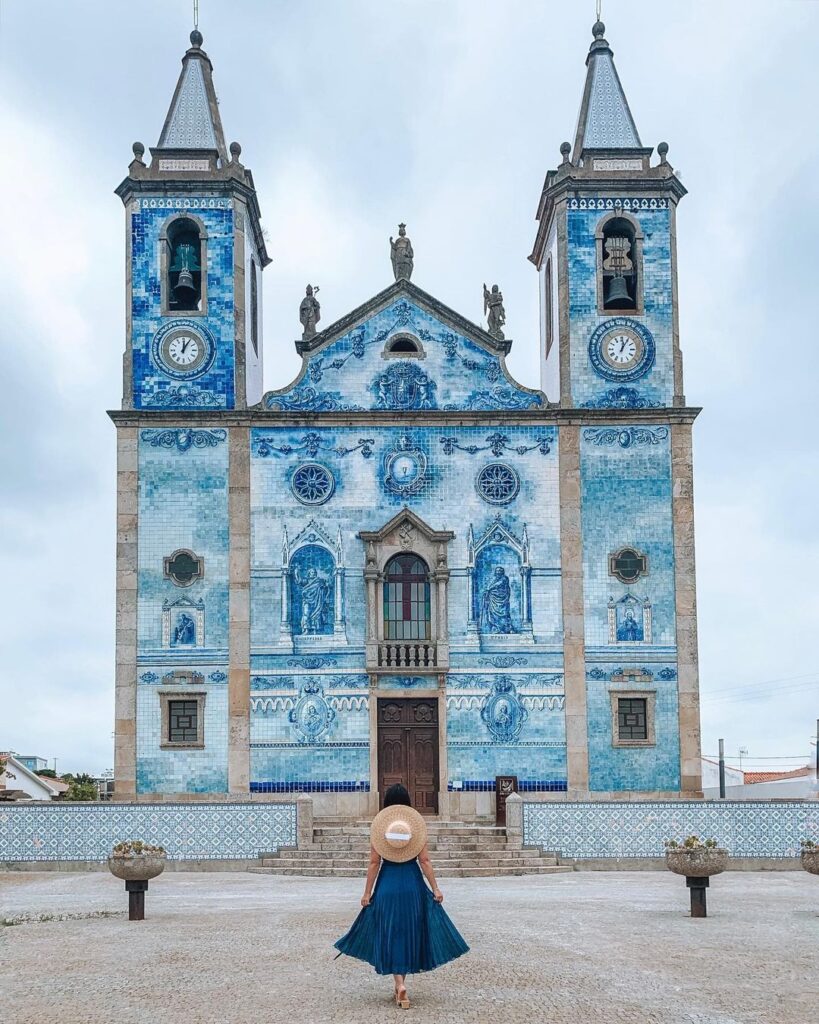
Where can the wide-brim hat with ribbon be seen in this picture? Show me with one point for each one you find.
(398, 833)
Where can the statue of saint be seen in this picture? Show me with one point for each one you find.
(401, 254)
(496, 615)
(314, 595)
(495, 313)
(629, 628)
(309, 312)
(184, 631)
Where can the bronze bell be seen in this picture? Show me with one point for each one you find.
(185, 289)
(618, 296)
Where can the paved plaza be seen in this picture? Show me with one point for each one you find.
(234, 948)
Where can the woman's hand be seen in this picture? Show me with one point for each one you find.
(365, 900)
(437, 895)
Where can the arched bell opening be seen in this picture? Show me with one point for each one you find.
(184, 266)
(619, 265)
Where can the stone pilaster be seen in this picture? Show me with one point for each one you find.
(239, 610)
(563, 320)
(574, 661)
(239, 312)
(686, 608)
(126, 613)
(679, 396)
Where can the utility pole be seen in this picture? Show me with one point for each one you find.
(817, 748)
(722, 769)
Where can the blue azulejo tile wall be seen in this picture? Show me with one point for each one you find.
(312, 492)
(154, 386)
(747, 828)
(592, 387)
(506, 723)
(201, 831)
(627, 503)
(183, 493)
(309, 730)
(615, 768)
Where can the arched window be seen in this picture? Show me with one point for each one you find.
(619, 256)
(406, 599)
(404, 345)
(185, 259)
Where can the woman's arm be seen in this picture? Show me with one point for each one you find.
(372, 872)
(429, 874)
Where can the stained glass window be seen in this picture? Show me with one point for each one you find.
(406, 599)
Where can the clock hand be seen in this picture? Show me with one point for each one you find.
(622, 344)
(185, 345)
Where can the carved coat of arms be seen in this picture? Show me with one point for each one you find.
(404, 385)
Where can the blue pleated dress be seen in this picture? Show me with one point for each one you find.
(403, 930)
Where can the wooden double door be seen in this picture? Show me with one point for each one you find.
(408, 749)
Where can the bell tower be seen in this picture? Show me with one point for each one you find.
(194, 257)
(605, 252)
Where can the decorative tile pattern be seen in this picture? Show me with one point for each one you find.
(190, 125)
(187, 831)
(609, 124)
(747, 828)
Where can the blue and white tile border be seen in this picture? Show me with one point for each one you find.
(200, 831)
(618, 829)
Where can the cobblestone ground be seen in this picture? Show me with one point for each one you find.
(582, 948)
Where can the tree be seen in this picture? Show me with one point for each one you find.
(47, 773)
(82, 790)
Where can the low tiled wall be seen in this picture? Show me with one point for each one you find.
(592, 831)
(86, 832)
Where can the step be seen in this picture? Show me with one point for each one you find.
(468, 872)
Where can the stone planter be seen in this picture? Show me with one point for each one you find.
(139, 868)
(810, 861)
(136, 871)
(697, 865)
(700, 862)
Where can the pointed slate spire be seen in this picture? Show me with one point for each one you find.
(193, 120)
(605, 121)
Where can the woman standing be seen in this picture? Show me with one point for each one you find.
(402, 928)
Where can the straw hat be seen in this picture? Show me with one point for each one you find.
(398, 833)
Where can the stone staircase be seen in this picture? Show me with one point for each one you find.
(457, 849)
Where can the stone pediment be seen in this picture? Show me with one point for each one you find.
(403, 350)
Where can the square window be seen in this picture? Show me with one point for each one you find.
(631, 718)
(183, 720)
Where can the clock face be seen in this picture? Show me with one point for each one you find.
(621, 349)
(183, 349)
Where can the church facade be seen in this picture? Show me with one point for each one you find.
(405, 565)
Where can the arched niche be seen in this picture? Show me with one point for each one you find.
(312, 590)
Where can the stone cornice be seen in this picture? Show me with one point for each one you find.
(569, 181)
(258, 417)
(227, 179)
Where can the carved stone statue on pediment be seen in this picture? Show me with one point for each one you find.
(495, 312)
(401, 254)
(309, 312)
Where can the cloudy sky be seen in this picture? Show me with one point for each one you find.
(353, 115)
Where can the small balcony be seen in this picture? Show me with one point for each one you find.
(401, 654)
